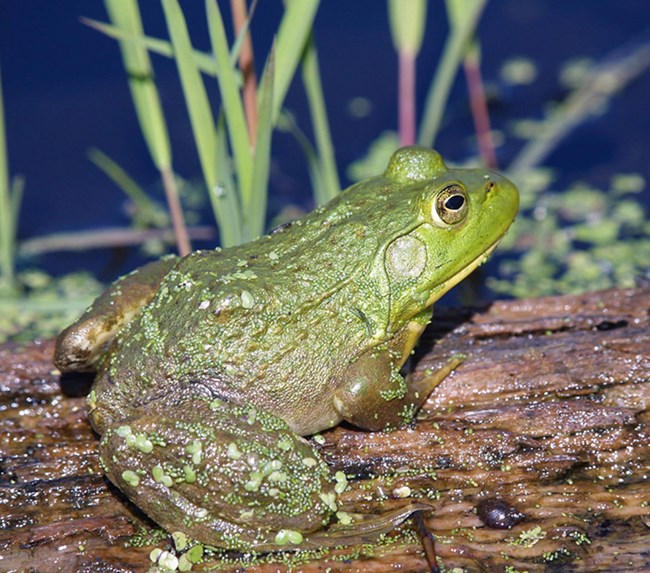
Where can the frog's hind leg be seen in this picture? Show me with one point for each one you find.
(79, 346)
(229, 476)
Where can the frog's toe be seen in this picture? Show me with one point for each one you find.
(228, 476)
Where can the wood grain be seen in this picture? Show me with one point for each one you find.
(549, 413)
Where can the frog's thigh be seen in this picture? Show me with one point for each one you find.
(79, 346)
(372, 393)
(226, 475)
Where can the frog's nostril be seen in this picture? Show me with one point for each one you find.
(490, 186)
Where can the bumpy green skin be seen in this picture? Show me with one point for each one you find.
(239, 352)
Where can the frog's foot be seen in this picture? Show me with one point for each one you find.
(427, 384)
(228, 476)
(79, 346)
(358, 529)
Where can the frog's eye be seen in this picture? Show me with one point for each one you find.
(450, 206)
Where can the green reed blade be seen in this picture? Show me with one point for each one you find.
(201, 118)
(290, 42)
(205, 62)
(16, 189)
(225, 196)
(255, 211)
(122, 179)
(8, 216)
(227, 77)
(407, 22)
(287, 123)
(461, 32)
(330, 184)
(126, 15)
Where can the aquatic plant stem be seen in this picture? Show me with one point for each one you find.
(247, 67)
(407, 19)
(202, 122)
(478, 105)
(175, 211)
(293, 32)
(329, 185)
(8, 214)
(148, 107)
(461, 33)
(427, 539)
(406, 97)
(107, 238)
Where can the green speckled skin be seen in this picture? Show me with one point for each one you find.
(306, 326)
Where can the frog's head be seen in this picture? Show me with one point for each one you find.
(457, 218)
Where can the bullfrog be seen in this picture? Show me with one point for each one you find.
(212, 369)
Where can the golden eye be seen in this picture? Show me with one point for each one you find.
(450, 206)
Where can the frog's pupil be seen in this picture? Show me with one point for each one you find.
(454, 202)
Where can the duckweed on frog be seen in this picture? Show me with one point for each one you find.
(218, 363)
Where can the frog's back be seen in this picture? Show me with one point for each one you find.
(253, 319)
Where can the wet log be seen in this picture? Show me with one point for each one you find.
(534, 454)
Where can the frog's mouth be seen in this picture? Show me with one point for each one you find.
(447, 285)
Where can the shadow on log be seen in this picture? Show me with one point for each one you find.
(535, 452)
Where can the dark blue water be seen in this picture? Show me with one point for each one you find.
(65, 92)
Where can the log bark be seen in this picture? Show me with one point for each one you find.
(544, 427)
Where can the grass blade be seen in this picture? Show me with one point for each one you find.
(407, 20)
(201, 118)
(205, 62)
(256, 208)
(287, 123)
(225, 197)
(461, 32)
(123, 180)
(330, 184)
(126, 15)
(233, 108)
(290, 42)
(8, 219)
(16, 195)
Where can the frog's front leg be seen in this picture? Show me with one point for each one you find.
(229, 476)
(374, 395)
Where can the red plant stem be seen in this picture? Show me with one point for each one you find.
(406, 98)
(247, 66)
(427, 539)
(176, 212)
(479, 109)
